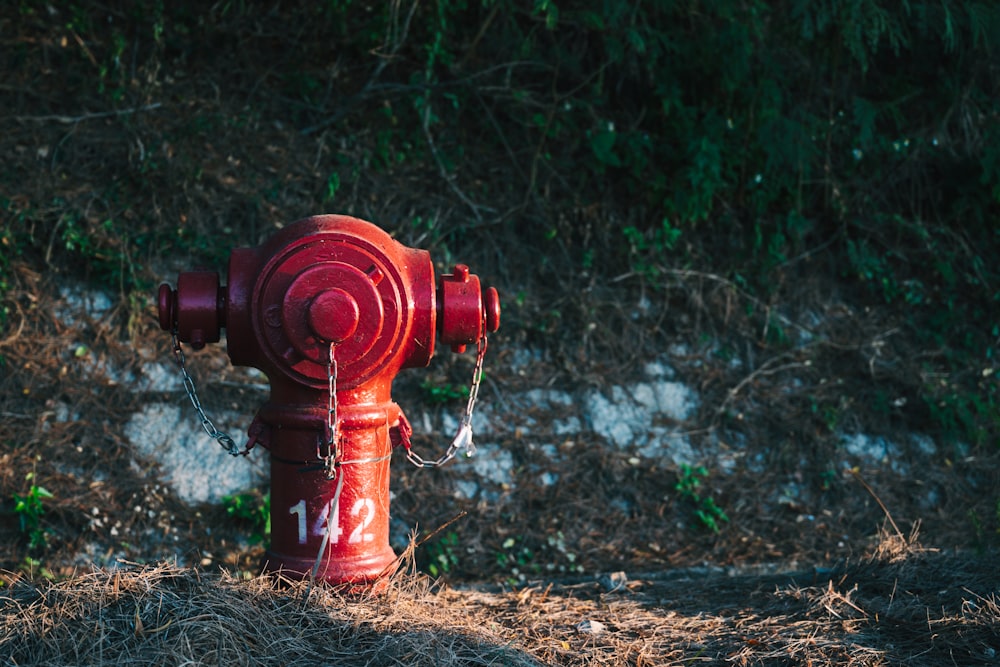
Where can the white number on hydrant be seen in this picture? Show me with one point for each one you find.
(357, 536)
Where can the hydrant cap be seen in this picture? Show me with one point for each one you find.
(334, 315)
(491, 304)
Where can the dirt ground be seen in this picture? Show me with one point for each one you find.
(819, 560)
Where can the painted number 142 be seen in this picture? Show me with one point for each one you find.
(363, 508)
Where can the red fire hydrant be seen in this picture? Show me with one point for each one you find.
(330, 309)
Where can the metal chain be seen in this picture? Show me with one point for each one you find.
(223, 438)
(329, 452)
(331, 437)
(462, 439)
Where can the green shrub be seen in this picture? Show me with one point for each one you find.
(738, 135)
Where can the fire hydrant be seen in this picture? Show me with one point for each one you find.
(330, 308)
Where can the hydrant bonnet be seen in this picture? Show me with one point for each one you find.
(334, 279)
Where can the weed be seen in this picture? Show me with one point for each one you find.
(827, 478)
(29, 509)
(830, 414)
(519, 560)
(689, 480)
(548, 9)
(32, 566)
(252, 508)
(978, 530)
(557, 545)
(437, 393)
(649, 249)
(516, 559)
(10, 247)
(332, 185)
(443, 555)
(105, 248)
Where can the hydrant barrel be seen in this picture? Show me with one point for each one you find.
(350, 512)
(330, 308)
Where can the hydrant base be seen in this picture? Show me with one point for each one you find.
(355, 574)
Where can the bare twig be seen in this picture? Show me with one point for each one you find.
(885, 510)
(72, 120)
(444, 525)
(765, 369)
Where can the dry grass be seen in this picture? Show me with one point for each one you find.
(914, 607)
(165, 614)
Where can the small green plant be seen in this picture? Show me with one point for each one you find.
(332, 185)
(33, 566)
(978, 524)
(29, 509)
(563, 560)
(978, 530)
(830, 414)
(437, 393)
(253, 508)
(443, 555)
(104, 248)
(649, 250)
(519, 560)
(689, 479)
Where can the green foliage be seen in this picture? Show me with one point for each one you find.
(863, 129)
(29, 509)
(34, 567)
(689, 480)
(794, 121)
(962, 413)
(985, 529)
(830, 415)
(438, 393)
(251, 508)
(827, 478)
(519, 560)
(106, 249)
(12, 243)
(442, 554)
(561, 558)
(650, 248)
(332, 185)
